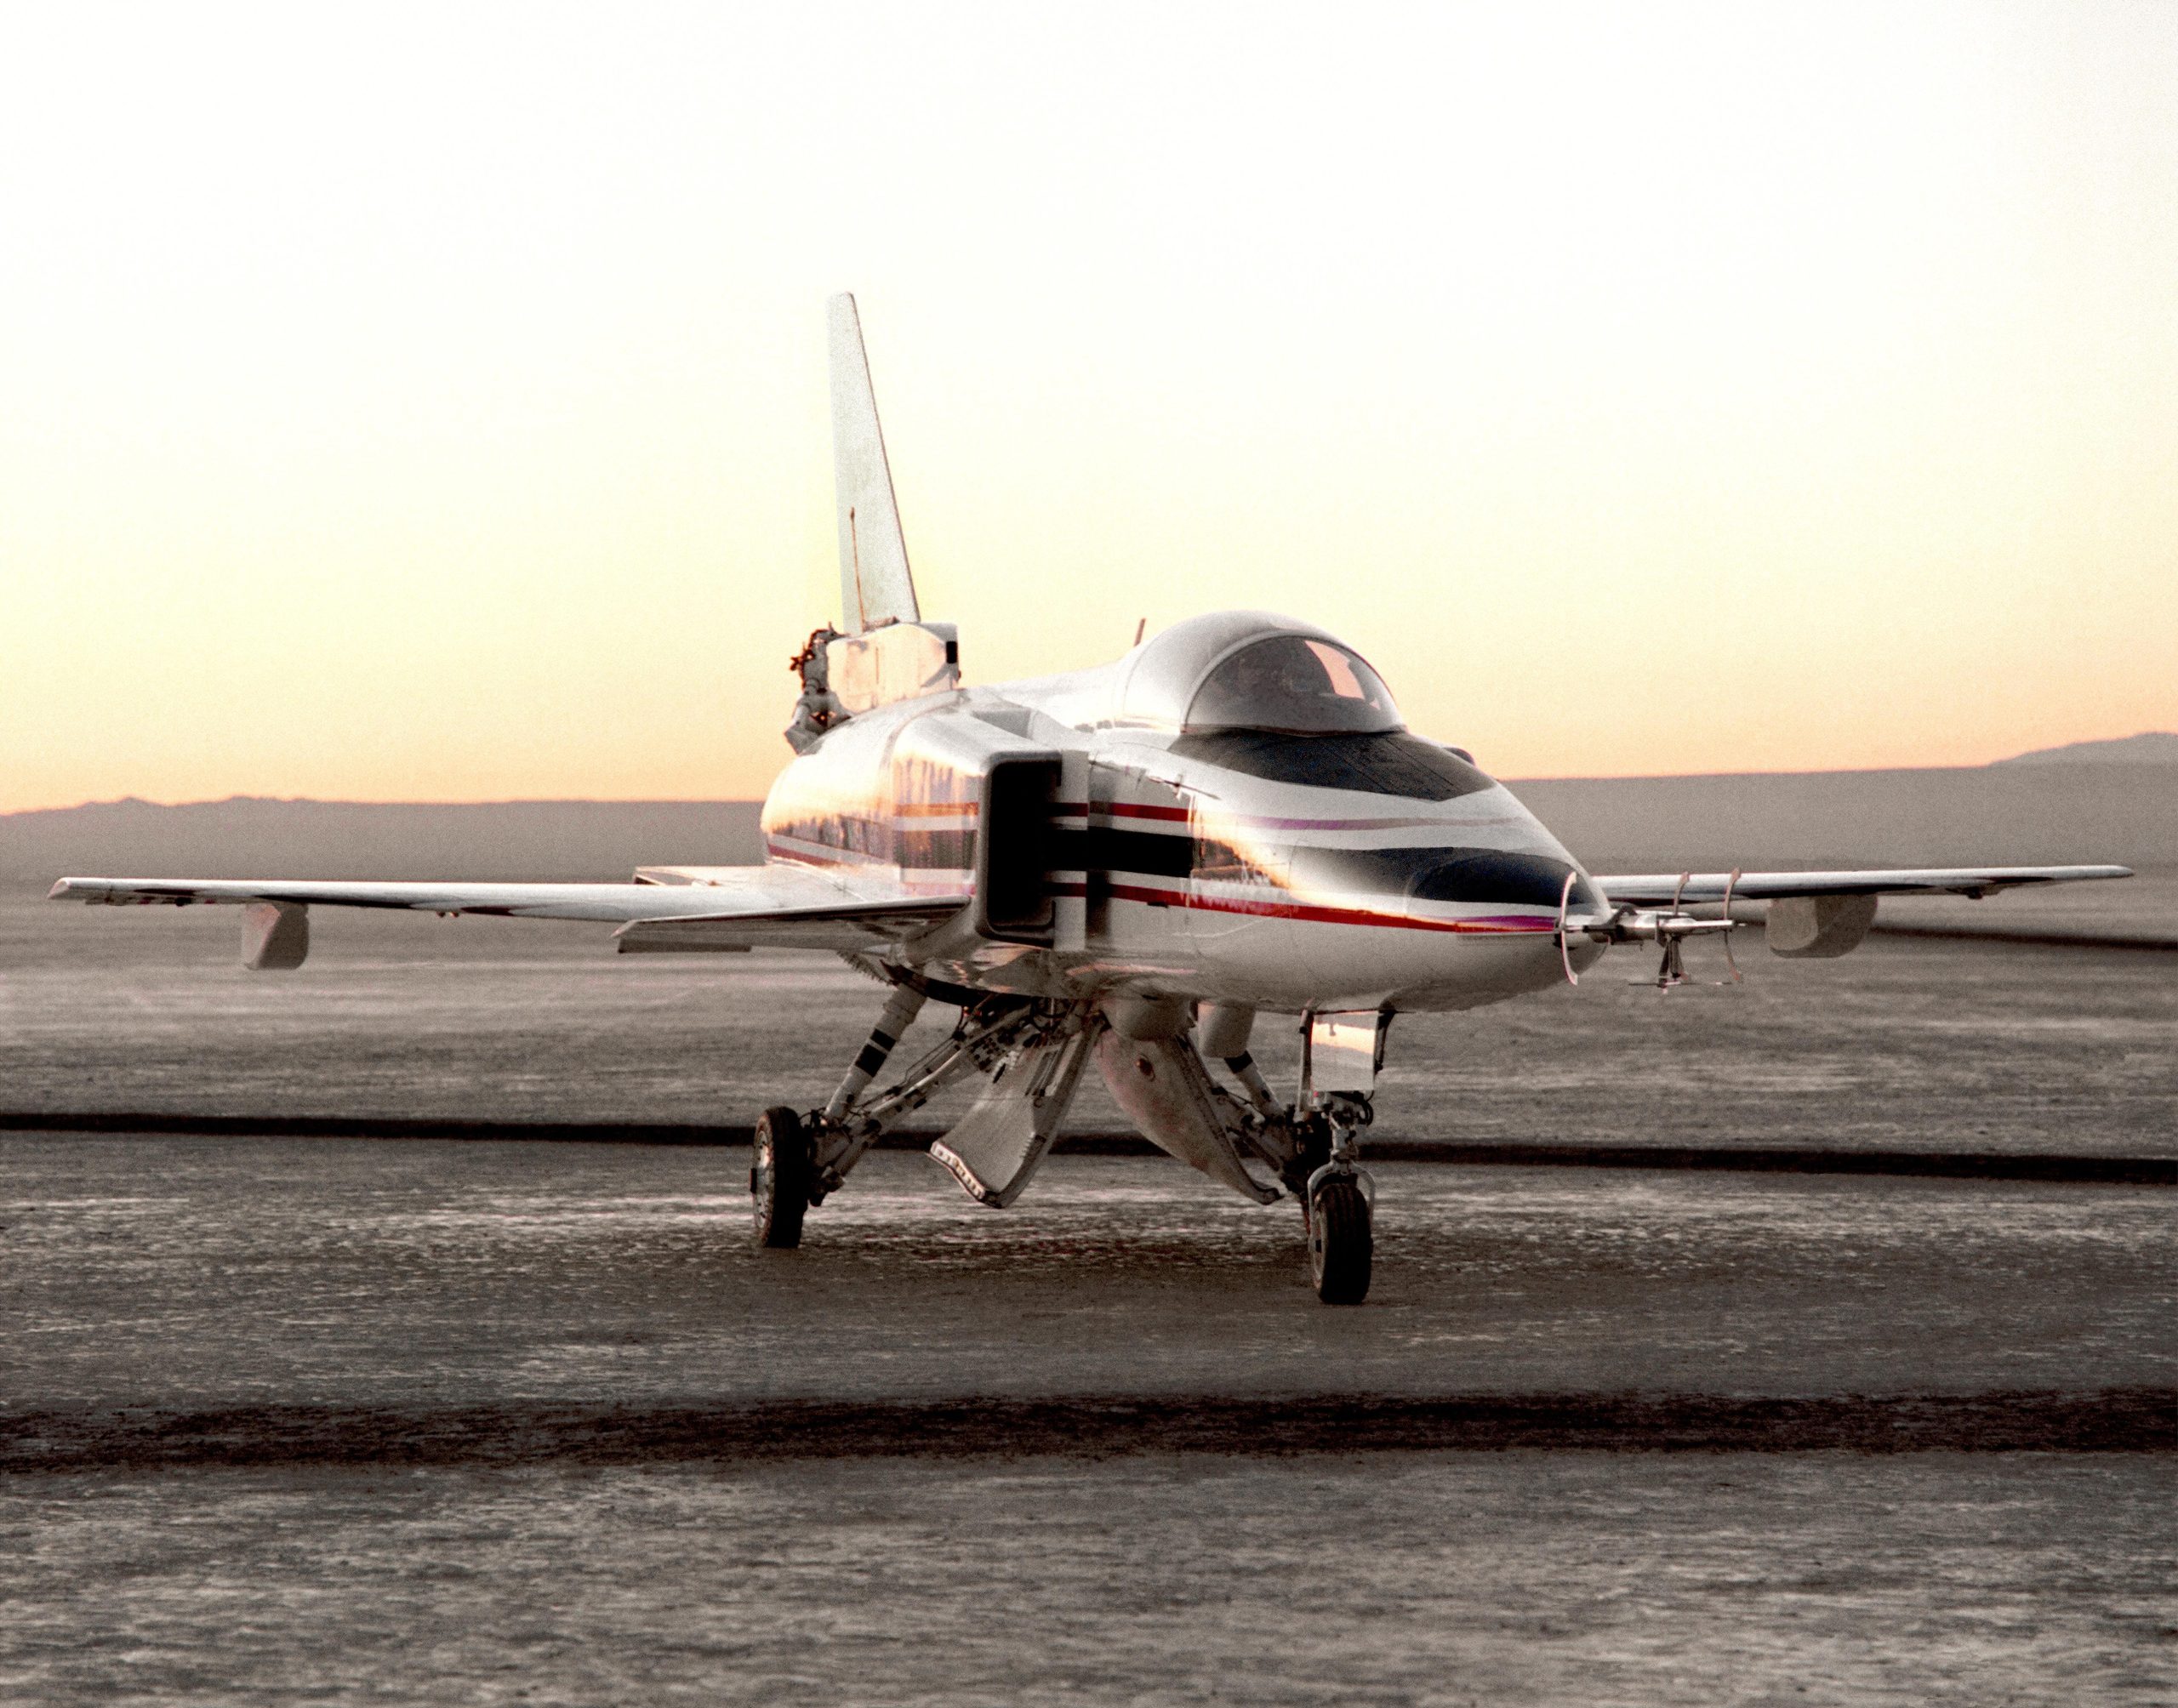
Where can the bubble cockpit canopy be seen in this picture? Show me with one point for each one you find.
(1252, 671)
(1293, 685)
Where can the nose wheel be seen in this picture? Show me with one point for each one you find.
(780, 1175)
(1342, 1241)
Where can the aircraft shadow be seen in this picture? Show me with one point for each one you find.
(525, 1433)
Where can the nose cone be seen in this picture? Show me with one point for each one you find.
(1483, 945)
(1450, 906)
(1443, 926)
(1496, 914)
(1525, 886)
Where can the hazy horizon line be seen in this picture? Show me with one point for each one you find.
(758, 801)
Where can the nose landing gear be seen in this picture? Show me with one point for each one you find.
(1340, 1202)
(1315, 1144)
(1341, 1055)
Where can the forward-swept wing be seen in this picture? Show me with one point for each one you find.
(1661, 889)
(675, 909)
(1812, 915)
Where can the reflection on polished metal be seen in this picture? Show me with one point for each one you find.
(1342, 1052)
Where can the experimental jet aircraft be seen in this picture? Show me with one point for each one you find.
(1125, 865)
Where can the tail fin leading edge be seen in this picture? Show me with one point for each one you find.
(875, 585)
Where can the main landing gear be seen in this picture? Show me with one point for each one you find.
(800, 1159)
(1032, 1052)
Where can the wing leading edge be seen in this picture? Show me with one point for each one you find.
(1661, 889)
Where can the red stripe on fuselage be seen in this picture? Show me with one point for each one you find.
(1488, 925)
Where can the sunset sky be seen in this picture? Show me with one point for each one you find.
(428, 404)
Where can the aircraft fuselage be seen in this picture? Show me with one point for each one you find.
(1367, 870)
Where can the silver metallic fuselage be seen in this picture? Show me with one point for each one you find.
(1171, 865)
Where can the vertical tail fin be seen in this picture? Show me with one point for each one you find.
(875, 585)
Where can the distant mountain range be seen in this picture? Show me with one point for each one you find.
(2150, 746)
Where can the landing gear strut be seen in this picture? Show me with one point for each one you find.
(1314, 1145)
(802, 1158)
(1031, 1052)
(1340, 1056)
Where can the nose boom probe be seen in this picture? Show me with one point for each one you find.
(1667, 928)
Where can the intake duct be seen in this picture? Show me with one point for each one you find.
(1013, 854)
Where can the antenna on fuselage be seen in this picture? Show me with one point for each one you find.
(876, 586)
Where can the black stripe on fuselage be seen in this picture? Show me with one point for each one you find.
(1487, 876)
(1102, 849)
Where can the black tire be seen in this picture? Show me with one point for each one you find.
(779, 1176)
(1342, 1245)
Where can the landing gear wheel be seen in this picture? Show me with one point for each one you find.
(1342, 1246)
(779, 1178)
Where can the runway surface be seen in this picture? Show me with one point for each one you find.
(480, 1421)
(217, 1273)
(1532, 1578)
